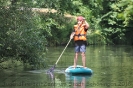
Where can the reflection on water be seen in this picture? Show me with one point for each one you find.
(112, 67)
(78, 81)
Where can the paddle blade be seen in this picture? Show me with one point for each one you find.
(51, 69)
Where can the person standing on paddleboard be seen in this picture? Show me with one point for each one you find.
(79, 36)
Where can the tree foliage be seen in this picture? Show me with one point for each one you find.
(113, 18)
(119, 21)
(20, 34)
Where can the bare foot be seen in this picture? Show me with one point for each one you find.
(74, 67)
(85, 67)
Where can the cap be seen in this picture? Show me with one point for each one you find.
(80, 18)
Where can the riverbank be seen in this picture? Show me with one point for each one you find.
(12, 64)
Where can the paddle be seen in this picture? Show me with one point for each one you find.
(52, 68)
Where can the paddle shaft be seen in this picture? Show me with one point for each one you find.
(63, 51)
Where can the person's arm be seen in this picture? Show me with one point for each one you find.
(86, 24)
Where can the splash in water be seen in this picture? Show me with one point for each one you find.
(50, 72)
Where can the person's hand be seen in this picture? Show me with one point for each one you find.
(72, 35)
(83, 20)
(84, 25)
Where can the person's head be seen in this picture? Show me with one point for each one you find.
(80, 19)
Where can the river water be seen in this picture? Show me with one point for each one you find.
(111, 65)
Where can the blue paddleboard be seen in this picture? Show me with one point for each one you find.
(79, 70)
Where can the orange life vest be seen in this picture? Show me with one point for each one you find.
(80, 33)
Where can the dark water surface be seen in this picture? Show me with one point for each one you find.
(112, 67)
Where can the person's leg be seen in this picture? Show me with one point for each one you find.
(83, 59)
(77, 49)
(83, 50)
(75, 59)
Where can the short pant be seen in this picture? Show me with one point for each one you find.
(80, 48)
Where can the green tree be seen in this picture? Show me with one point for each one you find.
(21, 34)
(118, 21)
